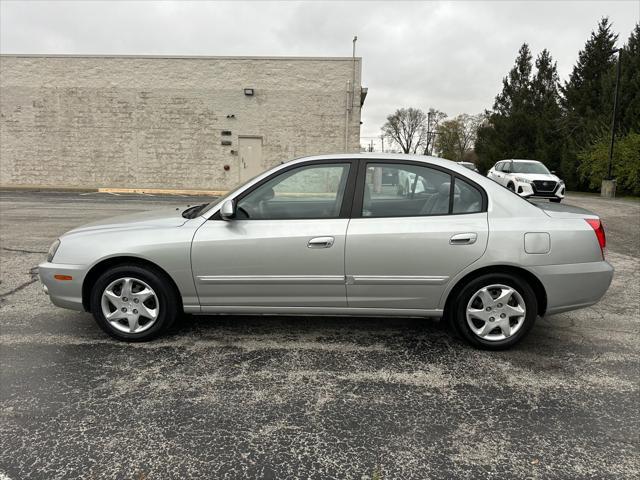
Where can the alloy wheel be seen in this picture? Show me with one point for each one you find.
(496, 312)
(130, 305)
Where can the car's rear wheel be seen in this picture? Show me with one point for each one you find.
(495, 311)
(133, 303)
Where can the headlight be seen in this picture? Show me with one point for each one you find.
(522, 180)
(52, 250)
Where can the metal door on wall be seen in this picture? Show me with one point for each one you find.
(250, 157)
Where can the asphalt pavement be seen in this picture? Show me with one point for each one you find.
(229, 397)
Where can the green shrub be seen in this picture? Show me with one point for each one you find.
(594, 163)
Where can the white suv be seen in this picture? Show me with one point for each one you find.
(528, 178)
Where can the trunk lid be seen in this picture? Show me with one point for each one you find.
(556, 210)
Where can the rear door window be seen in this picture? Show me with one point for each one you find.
(466, 198)
(402, 190)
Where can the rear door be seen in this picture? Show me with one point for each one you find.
(404, 247)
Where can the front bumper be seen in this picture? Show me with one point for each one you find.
(528, 190)
(63, 293)
(575, 285)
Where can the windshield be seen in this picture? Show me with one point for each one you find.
(221, 199)
(529, 167)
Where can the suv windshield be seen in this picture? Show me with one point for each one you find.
(529, 167)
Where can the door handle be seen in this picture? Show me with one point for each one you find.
(320, 242)
(463, 239)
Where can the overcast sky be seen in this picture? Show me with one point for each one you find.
(447, 55)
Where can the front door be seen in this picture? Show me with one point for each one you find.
(285, 248)
(250, 156)
(404, 246)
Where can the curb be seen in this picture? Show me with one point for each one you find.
(148, 191)
(41, 188)
(163, 191)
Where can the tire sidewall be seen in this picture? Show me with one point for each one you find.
(515, 282)
(167, 301)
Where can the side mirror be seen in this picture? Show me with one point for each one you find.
(228, 210)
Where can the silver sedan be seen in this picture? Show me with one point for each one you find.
(334, 235)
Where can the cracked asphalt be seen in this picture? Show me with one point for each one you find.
(283, 397)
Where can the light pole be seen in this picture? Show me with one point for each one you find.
(608, 188)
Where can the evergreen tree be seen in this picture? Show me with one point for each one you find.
(516, 93)
(510, 131)
(587, 98)
(594, 159)
(629, 96)
(548, 115)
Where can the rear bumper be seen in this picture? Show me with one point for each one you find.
(574, 286)
(63, 293)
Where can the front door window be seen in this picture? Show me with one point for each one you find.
(309, 192)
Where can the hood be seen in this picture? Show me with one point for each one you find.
(167, 217)
(537, 176)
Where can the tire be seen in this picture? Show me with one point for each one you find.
(470, 299)
(151, 291)
(555, 200)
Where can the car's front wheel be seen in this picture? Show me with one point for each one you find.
(133, 303)
(494, 311)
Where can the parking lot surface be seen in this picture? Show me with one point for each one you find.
(309, 397)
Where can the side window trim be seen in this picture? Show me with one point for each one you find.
(347, 198)
(358, 193)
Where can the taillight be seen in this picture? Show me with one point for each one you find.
(598, 228)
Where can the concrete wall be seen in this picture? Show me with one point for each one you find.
(156, 122)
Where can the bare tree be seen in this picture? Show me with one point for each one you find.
(457, 136)
(469, 125)
(405, 128)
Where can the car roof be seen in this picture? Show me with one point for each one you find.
(380, 156)
(429, 160)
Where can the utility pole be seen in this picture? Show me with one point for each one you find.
(353, 79)
(429, 138)
(382, 140)
(608, 188)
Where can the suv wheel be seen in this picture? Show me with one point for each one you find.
(495, 311)
(133, 303)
